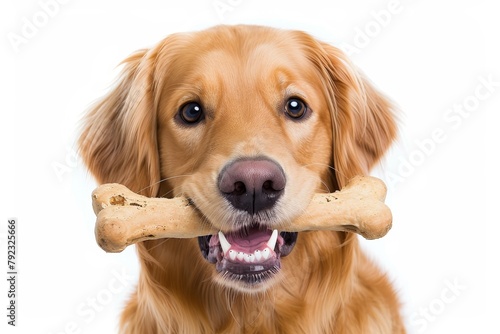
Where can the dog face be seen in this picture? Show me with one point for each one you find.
(240, 133)
(247, 122)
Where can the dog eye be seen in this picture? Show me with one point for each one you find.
(295, 108)
(191, 113)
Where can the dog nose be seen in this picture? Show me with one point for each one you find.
(252, 185)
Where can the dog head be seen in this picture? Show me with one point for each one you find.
(248, 122)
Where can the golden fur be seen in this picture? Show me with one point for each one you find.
(242, 75)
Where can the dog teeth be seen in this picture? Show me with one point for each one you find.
(224, 243)
(255, 257)
(272, 241)
(266, 253)
(259, 255)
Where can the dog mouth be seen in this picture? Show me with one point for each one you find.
(250, 256)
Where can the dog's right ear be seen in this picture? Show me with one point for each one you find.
(118, 140)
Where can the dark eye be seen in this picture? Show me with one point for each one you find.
(191, 113)
(295, 108)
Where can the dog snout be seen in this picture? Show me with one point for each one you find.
(252, 185)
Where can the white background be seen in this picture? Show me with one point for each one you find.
(430, 57)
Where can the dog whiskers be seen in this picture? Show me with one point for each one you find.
(328, 166)
(163, 180)
(326, 186)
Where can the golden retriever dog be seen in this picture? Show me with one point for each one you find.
(247, 122)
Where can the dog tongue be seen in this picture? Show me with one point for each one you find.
(249, 241)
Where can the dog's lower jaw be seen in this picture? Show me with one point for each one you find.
(249, 278)
(250, 261)
(233, 284)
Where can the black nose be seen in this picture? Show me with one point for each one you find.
(252, 185)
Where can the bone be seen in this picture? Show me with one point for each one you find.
(125, 218)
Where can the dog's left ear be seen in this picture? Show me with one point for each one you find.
(363, 120)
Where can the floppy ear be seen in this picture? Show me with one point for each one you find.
(363, 120)
(118, 140)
